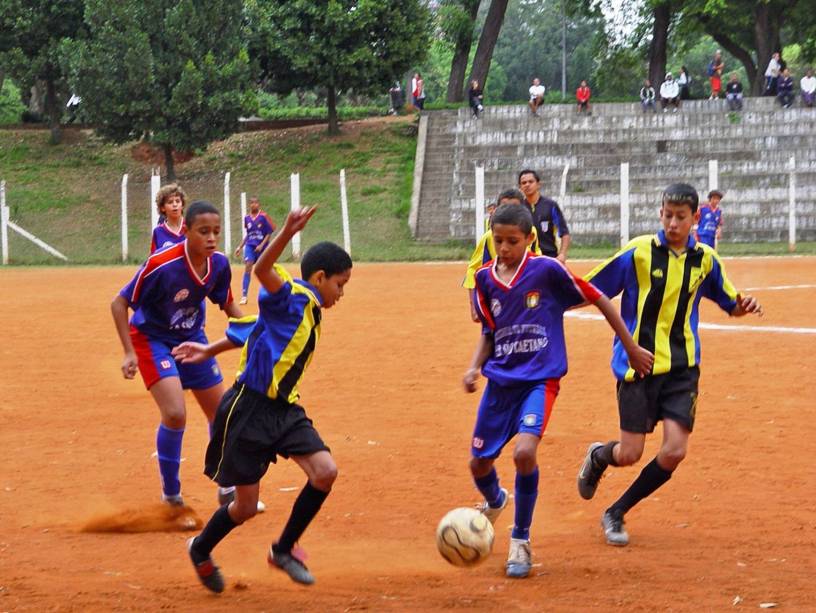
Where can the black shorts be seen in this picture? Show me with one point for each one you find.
(250, 431)
(644, 402)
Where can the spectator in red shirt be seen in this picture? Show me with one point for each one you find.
(582, 94)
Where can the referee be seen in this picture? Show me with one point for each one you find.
(547, 217)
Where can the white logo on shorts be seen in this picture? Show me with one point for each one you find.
(165, 364)
(530, 419)
(477, 442)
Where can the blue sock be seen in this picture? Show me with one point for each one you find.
(168, 446)
(489, 487)
(245, 285)
(526, 494)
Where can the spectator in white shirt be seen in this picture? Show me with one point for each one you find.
(808, 87)
(670, 93)
(647, 96)
(536, 96)
(772, 75)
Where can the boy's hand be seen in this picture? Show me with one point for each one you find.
(129, 365)
(190, 352)
(297, 220)
(237, 251)
(746, 304)
(641, 360)
(469, 380)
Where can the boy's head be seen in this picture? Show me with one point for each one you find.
(512, 227)
(678, 212)
(203, 221)
(254, 205)
(510, 196)
(171, 200)
(714, 197)
(328, 268)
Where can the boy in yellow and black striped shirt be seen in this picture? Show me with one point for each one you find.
(662, 277)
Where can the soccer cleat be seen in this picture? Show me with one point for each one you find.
(519, 561)
(590, 473)
(243, 300)
(492, 513)
(227, 494)
(174, 501)
(612, 523)
(291, 565)
(208, 573)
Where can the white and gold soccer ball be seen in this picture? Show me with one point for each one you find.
(464, 537)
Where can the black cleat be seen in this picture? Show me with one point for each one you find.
(590, 473)
(208, 573)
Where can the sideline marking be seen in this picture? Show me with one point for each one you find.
(772, 288)
(705, 326)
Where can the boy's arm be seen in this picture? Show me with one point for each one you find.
(264, 269)
(119, 310)
(745, 305)
(233, 310)
(240, 246)
(483, 351)
(640, 359)
(191, 352)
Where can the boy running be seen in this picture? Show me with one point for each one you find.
(259, 228)
(521, 299)
(259, 418)
(709, 226)
(662, 278)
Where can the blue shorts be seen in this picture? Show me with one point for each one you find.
(156, 362)
(711, 240)
(250, 255)
(507, 411)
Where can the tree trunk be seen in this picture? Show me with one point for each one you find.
(767, 23)
(168, 162)
(2, 78)
(657, 48)
(53, 109)
(487, 41)
(331, 103)
(456, 82)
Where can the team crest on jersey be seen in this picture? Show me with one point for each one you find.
(181, 295)
(530, 419)
(495, 307)
(657, 273)
(478, 443)
(531, 299)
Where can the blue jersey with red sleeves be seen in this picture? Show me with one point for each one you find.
(710, 220)
(526, 318)
(164, 236)
(257, 228)
(167, 295)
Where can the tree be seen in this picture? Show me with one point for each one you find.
(487, 41)
(174, 72)
(458, 20)
(32, 33)
(658, 47)
(340, 45)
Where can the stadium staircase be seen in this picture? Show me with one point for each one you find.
(753, 149)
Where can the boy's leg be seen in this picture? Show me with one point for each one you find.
(169, 397)
(487, 482)
(246, 279)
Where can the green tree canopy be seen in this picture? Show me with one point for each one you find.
(175, 72)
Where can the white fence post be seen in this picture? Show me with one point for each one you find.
(713, 175)
(243, 215)
(124, 218)
(344, 212)
(792, 205)
(479, 207)
(564, 183)
(227, 220)
(294, 180)
(155, 185)
(624, 204)
(4, 217)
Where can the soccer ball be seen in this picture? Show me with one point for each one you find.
(464, 537)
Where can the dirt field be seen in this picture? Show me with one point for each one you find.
(737, 520)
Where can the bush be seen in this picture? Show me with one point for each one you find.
(320, 112)
(11, 107)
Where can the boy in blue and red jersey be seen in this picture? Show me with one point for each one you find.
(709, 227)
(259, 229)
(521, 299)
(167, 298)
(170, 203)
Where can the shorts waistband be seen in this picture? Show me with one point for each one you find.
(242, 388)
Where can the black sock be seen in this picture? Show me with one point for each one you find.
(603, 456)
(219, 526)
(306, 506)
(650, 478)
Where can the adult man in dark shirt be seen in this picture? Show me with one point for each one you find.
(546, 215)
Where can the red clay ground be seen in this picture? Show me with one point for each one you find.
(737, 519)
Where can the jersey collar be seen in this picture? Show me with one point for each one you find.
(516, 275)
(312, 290)
(191, 269)
(660, 239)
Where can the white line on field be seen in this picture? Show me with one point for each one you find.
(705, 326)
(778, 287)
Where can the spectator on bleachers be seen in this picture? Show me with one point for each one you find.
(669, 93)
(772, 75)
(647, 96)
(397, 99)
(536, 96)
(784, 89)
(582, 95)
(715, 69)
(808, 87)
(684, 81)
(475, 97)
(733, 93)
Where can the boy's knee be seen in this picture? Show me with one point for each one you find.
(525, 459)
(324, 476)
(627, 456)
(243, 510)
(175, 418)
(670, 457)
(479, 467)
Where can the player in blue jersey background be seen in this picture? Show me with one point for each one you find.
(259, 229)
(521, 299)
(170, 203)
(167, 298)
(709, 226)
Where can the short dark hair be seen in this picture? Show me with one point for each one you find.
(528, 171)
(326, 256)
(681, 193)
(512, 215)
(715, 192)
(199, 207)
(510, 194)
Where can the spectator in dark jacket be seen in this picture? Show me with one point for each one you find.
(647, 96)
(475, 97)
(733, 93)
(784, 89)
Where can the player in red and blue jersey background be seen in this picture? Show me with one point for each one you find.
(521, 299)
(259, 229)
(167, 298)
(170, 203)
(709, 226)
